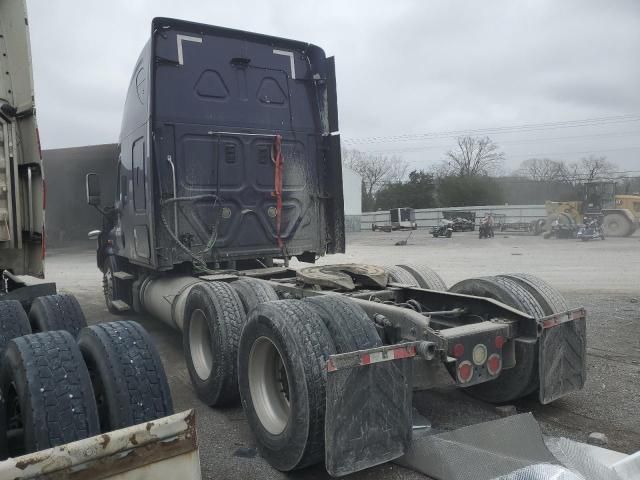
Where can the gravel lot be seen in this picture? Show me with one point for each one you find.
(602, 276)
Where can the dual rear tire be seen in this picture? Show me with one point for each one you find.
(283, 353)
(274, 360)
(528, 294)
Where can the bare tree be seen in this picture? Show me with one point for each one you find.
(473, 156)
(543, 170)
(593, 167)
(375, 170)
(589, 169)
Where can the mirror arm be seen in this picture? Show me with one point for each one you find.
(101, 210)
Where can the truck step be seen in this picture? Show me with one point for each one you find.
(123, 276)
(120, 305)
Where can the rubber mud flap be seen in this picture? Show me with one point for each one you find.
(562, 356)
(368, 419)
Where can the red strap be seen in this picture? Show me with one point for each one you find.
(278, 161)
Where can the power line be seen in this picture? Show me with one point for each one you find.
(595, 136)
(553, 154)
(588, 122)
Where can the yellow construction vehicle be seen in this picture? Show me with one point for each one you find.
(620, 213)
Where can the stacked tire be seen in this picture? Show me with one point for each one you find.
(67, 381)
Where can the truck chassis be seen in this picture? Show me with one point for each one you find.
(498, 337)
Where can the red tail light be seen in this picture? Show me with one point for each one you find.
(494, 364)
(458, 350)
(499, 342)
(465, 371)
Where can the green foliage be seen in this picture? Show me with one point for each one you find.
(462, 191)
(417, 192)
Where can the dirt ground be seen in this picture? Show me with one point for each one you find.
(603, 276)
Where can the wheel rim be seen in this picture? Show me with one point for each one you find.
(200, 344)
(269, 386)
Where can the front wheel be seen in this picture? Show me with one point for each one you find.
(110, 287)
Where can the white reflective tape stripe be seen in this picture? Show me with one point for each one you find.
(377, 357)
(290, 55)
(187, 38)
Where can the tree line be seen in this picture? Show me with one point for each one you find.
(472, 173)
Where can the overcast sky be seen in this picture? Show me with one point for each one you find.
(403, 67)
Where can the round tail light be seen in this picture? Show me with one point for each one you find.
(494, 364)
(479, 354)
(465, 371)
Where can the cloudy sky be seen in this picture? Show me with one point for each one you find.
(404, 68)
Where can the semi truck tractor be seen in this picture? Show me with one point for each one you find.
(230, 167)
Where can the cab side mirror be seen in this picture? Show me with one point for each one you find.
(93, 189)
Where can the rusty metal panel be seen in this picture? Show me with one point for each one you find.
(163, 448)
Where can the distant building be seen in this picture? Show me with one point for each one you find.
(352, 188)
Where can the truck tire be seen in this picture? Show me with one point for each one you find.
(522, 379)
(13, 323)
(282, 373)
(538, 226)
(47, 399)
(128, 378)
(398, 274)
(213, 320)
(253, 292)
(57, 312)
(550, 299)
(426, 277)
(616, 225)
(348, 324)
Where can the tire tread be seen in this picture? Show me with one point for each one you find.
(426, 277)
(136, 371)
(60, 395)
(57, 312)
(14, 322)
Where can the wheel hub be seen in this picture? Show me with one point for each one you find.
(200, 344)
(269, 386)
